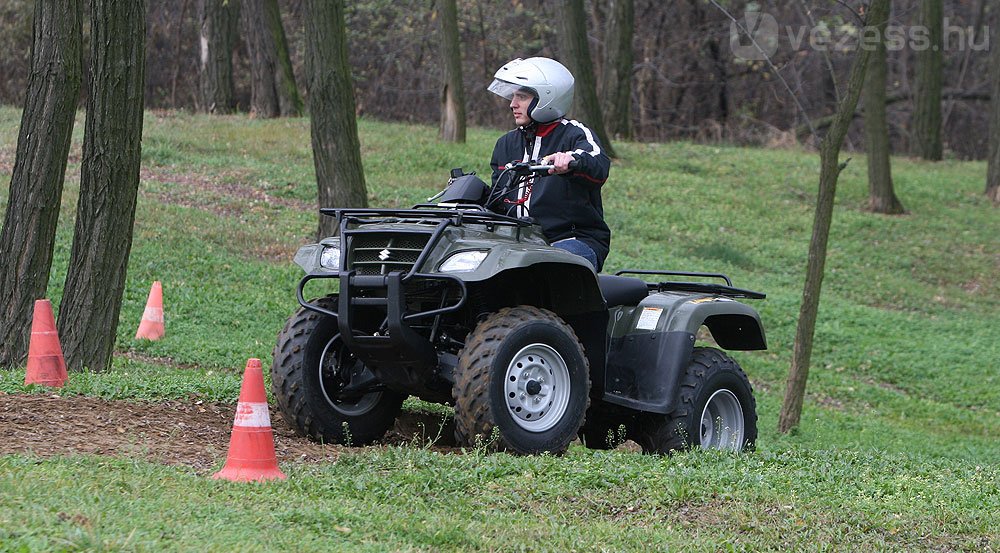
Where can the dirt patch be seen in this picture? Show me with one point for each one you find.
(193, 434)
(6, 160)
(190, 190)
(229, 194)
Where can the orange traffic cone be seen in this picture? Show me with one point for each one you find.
(151, 325)
(251, 447)
(46, 364)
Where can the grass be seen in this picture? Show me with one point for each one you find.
(411, 499)
(897, 449)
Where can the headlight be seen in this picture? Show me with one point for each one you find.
(330, 259)
(461, 262)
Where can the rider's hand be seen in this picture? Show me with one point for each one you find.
(559, 161)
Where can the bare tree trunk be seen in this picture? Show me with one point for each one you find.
(617, 77)
(175, 74)
(720, 64)
(219, 25)
(881, 196)
(273, 89)
(453, 91)
(977, 27)
(102, 240)
(798, 373)
(993, 169)
(927, 83)
(576, 51)
(340, 175)
(43, 143)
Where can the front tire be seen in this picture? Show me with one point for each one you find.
(309, 374)
(716, 409)
(523, 379)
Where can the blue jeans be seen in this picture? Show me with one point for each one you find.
(578, 247)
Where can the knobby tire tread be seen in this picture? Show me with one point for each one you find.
(669, 433)
(474, 423)
(287, 378)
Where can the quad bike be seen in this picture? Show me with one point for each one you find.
(453, 303)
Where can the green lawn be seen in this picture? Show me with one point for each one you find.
(899, 446)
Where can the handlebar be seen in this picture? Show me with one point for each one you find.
(533, 168)
(519, 177)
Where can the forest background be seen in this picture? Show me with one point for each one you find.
(686, 81)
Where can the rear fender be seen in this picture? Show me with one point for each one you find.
(734, 325)
(652, 343)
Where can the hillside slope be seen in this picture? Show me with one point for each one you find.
(900, 436)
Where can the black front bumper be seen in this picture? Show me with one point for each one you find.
(400, 356)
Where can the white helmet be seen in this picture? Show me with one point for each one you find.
(547, 79)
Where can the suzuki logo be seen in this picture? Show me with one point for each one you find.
(384, 254)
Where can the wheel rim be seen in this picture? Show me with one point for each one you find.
(332, 375)
(722, 424)
(537, 387)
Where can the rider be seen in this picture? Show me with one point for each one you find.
(566, 202)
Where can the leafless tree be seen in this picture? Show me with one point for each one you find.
(927, 82)
(576, 56)
(881, 195)
(274, 92)
(617, 75)
(109, 184)
(830, 168)
(217, 37)
(452, 87)
(340, 176)
(43, 142)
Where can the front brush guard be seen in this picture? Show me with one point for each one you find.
(401, 347)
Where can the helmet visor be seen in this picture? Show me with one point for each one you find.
(506, 90)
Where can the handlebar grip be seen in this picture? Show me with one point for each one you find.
(544, 169)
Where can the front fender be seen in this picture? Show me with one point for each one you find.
(509, 256)
(308, 257)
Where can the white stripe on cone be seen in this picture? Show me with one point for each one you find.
(252, 415)
(153, 314)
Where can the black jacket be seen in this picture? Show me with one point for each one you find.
(567, 205)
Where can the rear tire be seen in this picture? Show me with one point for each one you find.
(522, 379)
(715, 409)
(310, 368)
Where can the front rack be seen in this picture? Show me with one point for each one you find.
(457, 215)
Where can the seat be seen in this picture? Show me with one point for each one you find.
(620, 290)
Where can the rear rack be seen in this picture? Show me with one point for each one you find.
(727, 290)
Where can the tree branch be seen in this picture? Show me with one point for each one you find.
(854, 12)
(825, 122)
(826, 53)
(770, 64)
